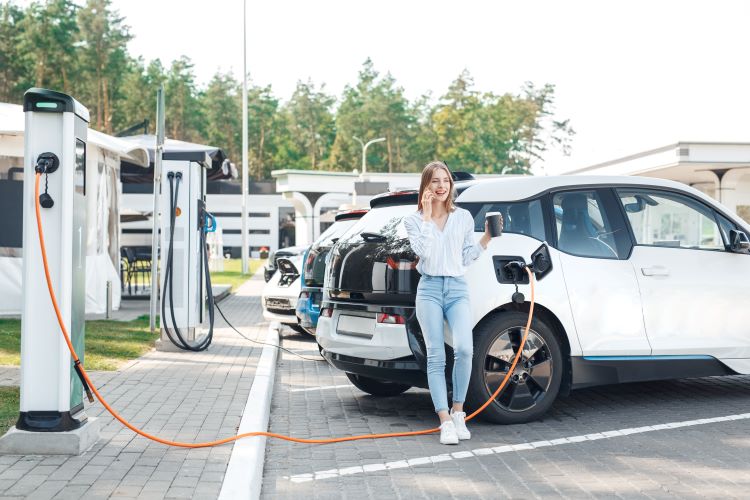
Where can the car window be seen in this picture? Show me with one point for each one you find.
(671, 220)
(583, 228)
(522, 217)
(334, 232)
(381, 220)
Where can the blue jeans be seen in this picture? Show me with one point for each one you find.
(446, 297)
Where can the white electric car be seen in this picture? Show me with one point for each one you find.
(650, 280)
(280, 294)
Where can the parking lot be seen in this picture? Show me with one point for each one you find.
(685, 438)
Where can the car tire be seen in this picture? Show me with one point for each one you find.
(376, 387)
(536, 382)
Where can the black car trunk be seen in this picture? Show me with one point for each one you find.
(375, 263)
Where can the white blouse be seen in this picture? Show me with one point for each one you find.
(443, 253)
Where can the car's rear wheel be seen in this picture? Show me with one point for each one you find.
(377, 387)
(535, 381)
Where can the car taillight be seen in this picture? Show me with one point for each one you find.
(391, 319)
(326, 312)
(310, 259)
(400, 265)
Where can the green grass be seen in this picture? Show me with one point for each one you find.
(10, 401)
(232, 273)
(109, 344)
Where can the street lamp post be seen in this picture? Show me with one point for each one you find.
(364, 151)
(245, 174)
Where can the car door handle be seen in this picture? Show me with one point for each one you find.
(655, 271)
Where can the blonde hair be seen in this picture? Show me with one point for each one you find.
(427, 173)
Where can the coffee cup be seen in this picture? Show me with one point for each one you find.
(495, 223)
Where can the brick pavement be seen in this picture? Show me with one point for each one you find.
(707, 460)
(183, 396)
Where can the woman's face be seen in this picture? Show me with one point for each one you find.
(440, 184)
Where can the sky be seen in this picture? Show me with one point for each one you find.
(630, 75)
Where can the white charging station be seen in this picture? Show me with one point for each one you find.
(185, 282)
(52, 419)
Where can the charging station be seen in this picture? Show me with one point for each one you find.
(187, 300)
(52, 419)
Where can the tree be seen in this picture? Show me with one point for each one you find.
(184, 116)
(263, 122)
(49, 33)
(222, 109)
(543, 131)
(139, 87)
(489, 133)
(13, 57)
(104, 55)
(374, 107)
(458, 125)
(308, 128)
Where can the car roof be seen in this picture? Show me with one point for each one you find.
(523, 187)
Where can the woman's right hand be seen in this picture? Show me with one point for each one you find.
(427, 204)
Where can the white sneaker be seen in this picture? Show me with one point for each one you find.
(448, 433)
(459, 420)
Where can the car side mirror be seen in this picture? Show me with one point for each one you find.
(738, 241)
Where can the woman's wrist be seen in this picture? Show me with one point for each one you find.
(485, 240)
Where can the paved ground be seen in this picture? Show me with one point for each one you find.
(182, 396)
(603, 442)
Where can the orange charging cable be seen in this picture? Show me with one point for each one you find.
(247, 434)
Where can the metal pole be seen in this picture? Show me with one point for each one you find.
(364, 152)
(155, 215)
(364, 148)
(245, 174)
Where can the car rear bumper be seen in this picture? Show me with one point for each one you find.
(363, 338)
(308, 309)
(403, 370)
(281, 309)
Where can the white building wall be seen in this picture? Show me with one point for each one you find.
(228, 206)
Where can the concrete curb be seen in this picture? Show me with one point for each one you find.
(244, 475)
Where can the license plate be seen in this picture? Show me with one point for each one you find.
(278, 303)
(356, 326)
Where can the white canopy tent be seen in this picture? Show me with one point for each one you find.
(103, 193)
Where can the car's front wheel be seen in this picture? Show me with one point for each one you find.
(535, 381)
(377, 387)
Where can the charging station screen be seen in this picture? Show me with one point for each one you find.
(80, 177)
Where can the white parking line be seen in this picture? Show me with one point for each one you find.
(477, 452)
(321, 388)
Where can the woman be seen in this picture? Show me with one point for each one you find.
(442, 235)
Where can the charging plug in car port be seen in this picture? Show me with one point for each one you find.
(509, 274)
